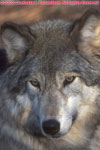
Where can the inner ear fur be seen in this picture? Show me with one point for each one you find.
(16, 39)
(88, 26)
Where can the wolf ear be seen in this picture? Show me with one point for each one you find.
(86, 31)
(16, 40)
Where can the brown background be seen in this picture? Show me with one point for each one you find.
(29, 14)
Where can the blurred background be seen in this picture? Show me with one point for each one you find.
(23, 14)
(32, 13)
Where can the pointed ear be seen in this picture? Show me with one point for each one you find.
(86, 31)
(16, 40)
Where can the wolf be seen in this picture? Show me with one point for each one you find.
(50, 85)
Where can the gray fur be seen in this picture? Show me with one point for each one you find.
(50, 51)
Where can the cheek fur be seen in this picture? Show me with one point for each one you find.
(73, 104)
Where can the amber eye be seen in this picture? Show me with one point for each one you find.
(68, 80)
(35, 83)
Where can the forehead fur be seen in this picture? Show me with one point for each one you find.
(52, 44)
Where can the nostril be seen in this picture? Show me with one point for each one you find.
(51, 126)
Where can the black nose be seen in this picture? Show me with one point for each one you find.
(51, 126)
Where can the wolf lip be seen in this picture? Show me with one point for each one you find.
(56, 136)
(74, 117)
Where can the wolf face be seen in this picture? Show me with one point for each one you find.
(52, 81)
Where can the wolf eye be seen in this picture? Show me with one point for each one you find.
(35, 83)
(68, 80)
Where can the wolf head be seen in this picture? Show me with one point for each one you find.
(52, 80)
